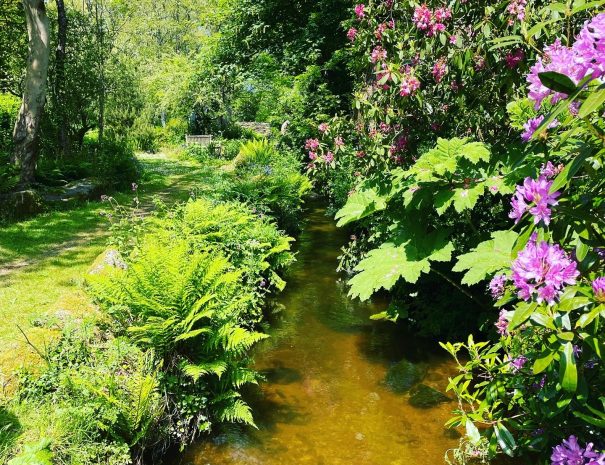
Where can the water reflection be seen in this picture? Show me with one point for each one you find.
(325, 400)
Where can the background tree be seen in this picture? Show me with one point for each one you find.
(26, 132)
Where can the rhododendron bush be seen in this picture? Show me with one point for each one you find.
(474, 153)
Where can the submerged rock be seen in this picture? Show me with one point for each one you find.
(423, 396)
(402, 376)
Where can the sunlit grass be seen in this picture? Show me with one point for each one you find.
(43, 260)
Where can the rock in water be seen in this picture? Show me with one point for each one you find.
(405, 374)
(423, 396)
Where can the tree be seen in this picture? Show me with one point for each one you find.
(60, 56)
(26, 132)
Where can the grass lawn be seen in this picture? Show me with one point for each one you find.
(43, 260)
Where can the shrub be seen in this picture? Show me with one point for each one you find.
(188, 307)
(270, 181)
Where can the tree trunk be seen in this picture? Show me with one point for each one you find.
(60, 57)
(26, 132)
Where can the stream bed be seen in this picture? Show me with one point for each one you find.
(336, 389)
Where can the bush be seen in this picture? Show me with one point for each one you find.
(271, 181)
(188, 307)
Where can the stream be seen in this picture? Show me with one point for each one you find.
(329, 397)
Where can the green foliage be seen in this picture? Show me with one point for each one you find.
(36, 454)
(270, 180)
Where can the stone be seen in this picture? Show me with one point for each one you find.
(83, 189)
(110, 258)
(20, 204)
(402, 376)
(423, 396)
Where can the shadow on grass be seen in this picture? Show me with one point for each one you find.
(10, 429)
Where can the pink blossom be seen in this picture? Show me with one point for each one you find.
(360, 11)
(422, 17)
(312, 144)
(323, 128)
(513, 58)
(329, 157)
(409, 84)
(378, 54)
(502, 323)
(312, 155)
(534, 196)
(338, 142)
(380, 30)
(453, 39)
(543, 269)
(589, 47)
(549, 170)
(517, 8)
(439, 69)
(352, 34)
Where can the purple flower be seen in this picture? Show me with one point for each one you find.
(439, 69)
(533, 124)
(534, 196)
(549, 170)
(543, 269)
(329, 157)
(409, 84)
(569, 452)
(513, 58)
(517, 8)
(518, 363)
(502, 324)
(496, 286)
(598, 288)
(589, 47)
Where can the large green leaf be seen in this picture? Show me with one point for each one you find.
(466, 199)
(361, 204)
(406, 259)
(568, 371)
(487, 258)
(505, 439)
(593, 102)
(558, 82)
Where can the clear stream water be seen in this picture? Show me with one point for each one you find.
(324, 401)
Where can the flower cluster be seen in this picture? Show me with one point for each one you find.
(585, 57)
(569, 452)
(543, 269)
(496, 286)
(352, 34)
(598, 288)
(513, 58)
(533, 124)
(502, 323)
(312, 144)
(549, 170)
(360, 11)
(409, 84)
(518, 363)
(534, 196)
(431, 21)
(439, 69)
(517, 8)
(378, 54)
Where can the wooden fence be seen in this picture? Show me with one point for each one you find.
(198, 139)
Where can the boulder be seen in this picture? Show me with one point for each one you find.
(403, 375)
(110, 258)
(20, 204)
(83, 189)
(423, 396)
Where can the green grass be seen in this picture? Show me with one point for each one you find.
(43, 260)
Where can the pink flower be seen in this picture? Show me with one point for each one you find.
(422, 17)
(598, 288)
(378, 54)
(380, 30)
(549, 170)
(543, 269)
(534, 196)
(360, 11)
(502, 324)
(360, 154)
(352, 34)
(439, 69)
(323, 128)
(453, 39)
(517, 8)
(338, 142)
(409, 85)
(513, 58)
(312, 144)
(329, 157)
(312, 155)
